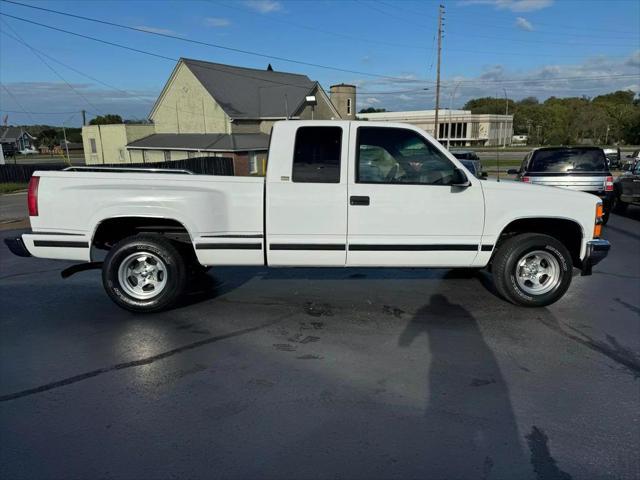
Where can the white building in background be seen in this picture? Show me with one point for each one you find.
(460, 127)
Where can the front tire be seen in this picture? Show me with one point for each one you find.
(532, 270)
(144, 273)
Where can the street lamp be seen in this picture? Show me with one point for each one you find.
(311, 100)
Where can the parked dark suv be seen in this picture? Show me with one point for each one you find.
(577, 168)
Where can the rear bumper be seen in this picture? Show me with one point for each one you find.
(17, 247)
(54, 245)
(597, 250)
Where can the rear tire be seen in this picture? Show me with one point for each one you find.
(618, 205)
(532, 270)
(144, 273)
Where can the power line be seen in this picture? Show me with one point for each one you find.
(554, 79)
(73, 89)
(86, 75)
(172, 59)
(24, 110)
(128, 94)
(209, 67)
(537, 42)
(326, 32)
(523, 54)
(468, 34)
(187, 40)
(557, 27)
(398, 80)
(37, 113)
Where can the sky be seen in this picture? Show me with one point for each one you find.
(517, 48)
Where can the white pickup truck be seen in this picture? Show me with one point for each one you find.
(336, 194)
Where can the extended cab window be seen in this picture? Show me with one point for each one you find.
(397, 155)
(316, 156)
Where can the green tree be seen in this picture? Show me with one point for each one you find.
(372, 110)
(48, 138)
(494, 105)
(624, 97)
(107, 119)
(610, 118)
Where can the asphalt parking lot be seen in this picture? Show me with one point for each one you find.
(330, 373)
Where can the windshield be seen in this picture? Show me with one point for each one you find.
(568, 160)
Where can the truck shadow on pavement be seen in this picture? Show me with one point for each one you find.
(224, 280)
(469, 412)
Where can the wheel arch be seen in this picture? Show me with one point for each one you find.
(111, 230)
(568, 231)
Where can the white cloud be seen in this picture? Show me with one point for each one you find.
(634, 60)
(163, 31)
(513, 5)
(264, 6)
(594, 76)
(524, 24)
(216, 22)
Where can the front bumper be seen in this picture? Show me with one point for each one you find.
(597, 250)
(17, 247)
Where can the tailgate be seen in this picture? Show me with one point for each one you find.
(585, 183)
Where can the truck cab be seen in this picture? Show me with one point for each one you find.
(386, 192)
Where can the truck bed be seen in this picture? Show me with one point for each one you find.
(213, 209)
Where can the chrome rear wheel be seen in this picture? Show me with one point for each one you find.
(142, 275)
(145, 273)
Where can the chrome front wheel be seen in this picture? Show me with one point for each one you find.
(532, 269)
(538, 272)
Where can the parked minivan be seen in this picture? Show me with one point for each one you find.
(576, 168)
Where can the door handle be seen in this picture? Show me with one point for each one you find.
(359, 200)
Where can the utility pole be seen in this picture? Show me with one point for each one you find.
(450, 108)
(440, 23)
(606, 136)
(84, 117)
(66, 144)
(506, 121)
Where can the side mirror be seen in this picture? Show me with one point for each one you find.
(460, 179)
(484, 175)
(512, 171)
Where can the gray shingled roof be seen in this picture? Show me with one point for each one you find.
(11, 134)
(251, 93)
(238, 142)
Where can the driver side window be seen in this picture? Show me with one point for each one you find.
(397, 155)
